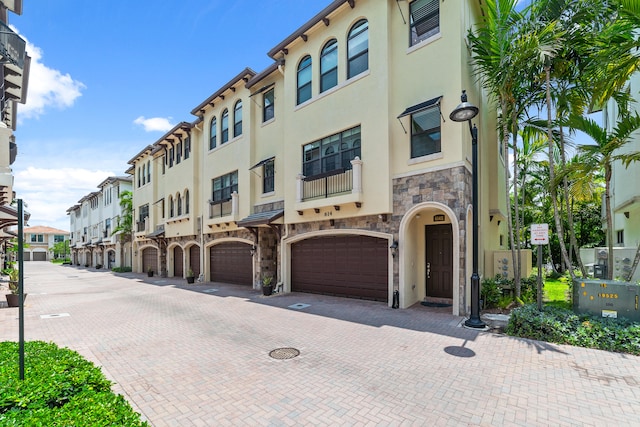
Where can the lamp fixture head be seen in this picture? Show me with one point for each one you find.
(394, 248)
(464, 111)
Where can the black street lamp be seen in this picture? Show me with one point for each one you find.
(464, 113)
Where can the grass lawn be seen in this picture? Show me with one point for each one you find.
(556, 293)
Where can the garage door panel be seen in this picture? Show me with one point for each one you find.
(231, 263)
(351, 266)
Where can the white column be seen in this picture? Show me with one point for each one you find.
(234, 204)
(357, 175)
(299, 187)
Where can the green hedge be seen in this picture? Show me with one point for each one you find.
(60, 388)
(562, 326)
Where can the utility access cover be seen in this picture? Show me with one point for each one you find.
(284, 353)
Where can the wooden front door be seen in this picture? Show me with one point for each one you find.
(178, 270)
(439, 260)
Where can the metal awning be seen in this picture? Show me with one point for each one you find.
(157, 233)
(262, 162)
(422, 106)
(261, 218)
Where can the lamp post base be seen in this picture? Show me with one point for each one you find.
(474, 323)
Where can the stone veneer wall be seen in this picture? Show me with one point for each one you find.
(451, 187)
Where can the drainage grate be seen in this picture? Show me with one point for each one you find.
(299, 306)
(53, 316)
(284, 353)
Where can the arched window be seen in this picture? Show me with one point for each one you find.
(358, 49)
(144, 174)
(304, 80)
(179, 203)
(225, 126)
(213, 134)
(170, 206)
(329, 65)
(186, 201)
(237, 119)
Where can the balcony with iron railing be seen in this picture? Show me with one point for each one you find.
(332, 188)
(223, 211)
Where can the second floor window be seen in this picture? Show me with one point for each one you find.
(186, 202)
(179, 152)
(149, 171)
(187, 147)
(223, 186)
(425, 132)
(225, 127)
(237, 119)
(213, 134)
(333, 153)
(267, 105)
(329, 66)
(268, 175)
(143, 213)
(37, 238)
(358, 49)
(304, 80)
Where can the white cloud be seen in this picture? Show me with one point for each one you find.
(154, 123)
(48, 193)
(48, 88)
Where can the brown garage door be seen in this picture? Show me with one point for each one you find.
(150, 260)
(178, 271)
(194, 257)
(350, 266)
(39, 256)
(231, 263)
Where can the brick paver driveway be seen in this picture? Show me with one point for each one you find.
(198, 355)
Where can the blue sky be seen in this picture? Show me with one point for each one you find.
(109, 78)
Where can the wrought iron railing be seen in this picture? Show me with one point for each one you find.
(328, 184)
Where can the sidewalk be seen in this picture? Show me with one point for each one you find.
(198, 355)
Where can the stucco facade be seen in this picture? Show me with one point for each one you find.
(92, 223)
(343, 146)
(625, 197)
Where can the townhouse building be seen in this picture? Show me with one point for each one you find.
(40, 240)
(92, 223)
(336, 169)
(625, 198)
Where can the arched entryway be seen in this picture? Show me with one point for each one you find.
(429, 256)
(150, 259)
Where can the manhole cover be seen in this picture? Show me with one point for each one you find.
(284, 353)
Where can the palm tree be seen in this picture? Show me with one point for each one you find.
(500, 55)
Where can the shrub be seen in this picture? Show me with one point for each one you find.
(562, 326)
(60, 388)
(121, 269)
(491, 292)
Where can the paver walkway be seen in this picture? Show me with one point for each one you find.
(198, 355)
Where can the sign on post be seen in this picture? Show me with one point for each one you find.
(539, 234)
(539, 237)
